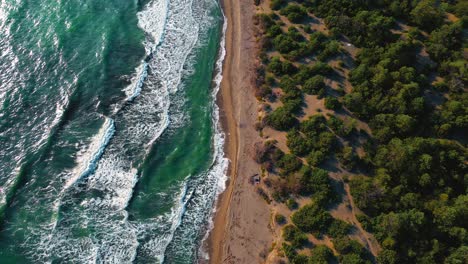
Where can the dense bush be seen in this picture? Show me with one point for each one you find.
(351, 251)
(339, 228)
(280, 219)
(312, 218)
(321, 255)
(332, 103)
(281, 119)
(295, 13)
(427, 14)
(289, 164)
(295, 236)
(314, 85)
(276, 4)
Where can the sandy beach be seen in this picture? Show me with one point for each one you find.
(241, 233)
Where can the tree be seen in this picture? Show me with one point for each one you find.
(289, 164)
(295, 236)
(315, 158)
(295, 13)
(314, 85)
(339, 228)
(458, 256)
(444, 41)
(311, 218)
(321, 255)
(387, 256)
(281, 119)
(332, 103)
(427, 14)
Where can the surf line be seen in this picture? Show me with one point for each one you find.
(148, 57)
(220, 156)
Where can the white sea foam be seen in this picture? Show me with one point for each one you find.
(111, 177)
(219, 138)
(204, 187)
(93, 225)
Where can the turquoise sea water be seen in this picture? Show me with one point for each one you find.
(110, 146)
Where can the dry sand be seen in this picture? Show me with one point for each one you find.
(240, 233)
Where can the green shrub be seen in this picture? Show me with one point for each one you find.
(311, 218)
(427, 14)
(366, 222)
(280, 219)
(314, 85)
(288, 164)
(315, 158)
(296, 143)
(321, 255)
(332, 103)
(277, 4)
(339, 228)
(348, 158)
(295, 13)
(295, 236)
(281, 119)
(291, 204)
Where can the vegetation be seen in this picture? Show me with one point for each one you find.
(399, 131)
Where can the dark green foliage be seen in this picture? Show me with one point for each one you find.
(339, 127)
(314, 125)
(388, 86)
(353, 259)
(276, 4)
(289, 164)
(452, 116)
(332, 103)
(367, 194)
(279, 67)
(413, 182)
(387, 256)
(350, 251)
(284, 44)
(458, 256)
(442, 42)
(315, 182)
(291, 204)
(314, 85)
(365, 221)
(331, 49)
(321, 68)
(281, 119)
(321, 255)
(295, 13)
(315, 158)
(338, 228)
(427, 14)
(312, 218)
(280, 219)
(348, 158)
(298, 145)
(367, 28)
(289, 251)
(295, 236)
(387, 126)
(292, 98)
(461, 8)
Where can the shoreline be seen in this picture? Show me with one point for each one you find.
(229, 125)
(240, 223)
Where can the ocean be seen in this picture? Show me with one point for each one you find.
(110, 144)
